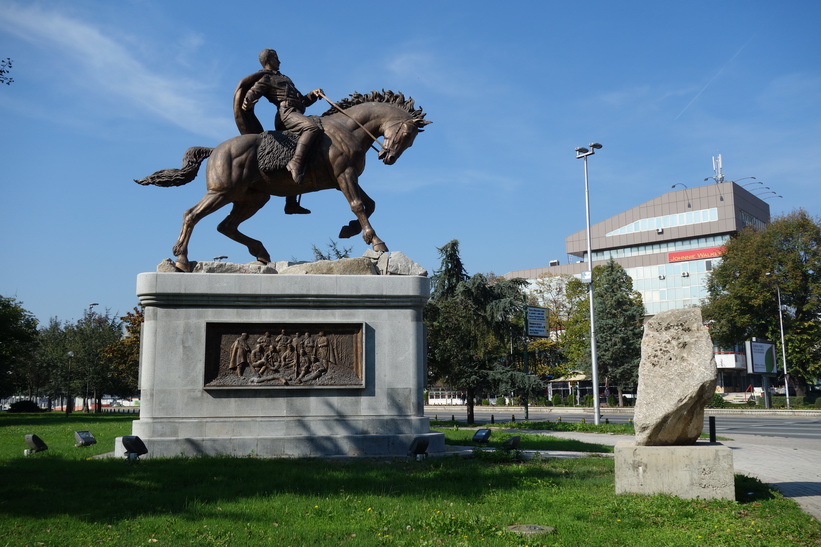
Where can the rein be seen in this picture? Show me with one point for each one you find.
(333, 104)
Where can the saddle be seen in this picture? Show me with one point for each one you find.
(276, 148)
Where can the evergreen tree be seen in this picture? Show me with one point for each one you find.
(468, 322)
(619, 327)
(451, 272)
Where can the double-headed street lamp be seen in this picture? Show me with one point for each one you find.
(783, 348)
(582, 153)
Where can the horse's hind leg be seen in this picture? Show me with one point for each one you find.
(207, 205)
(242, 211)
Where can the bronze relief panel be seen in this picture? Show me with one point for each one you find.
(284, 355)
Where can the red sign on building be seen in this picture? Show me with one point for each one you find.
(695, 254)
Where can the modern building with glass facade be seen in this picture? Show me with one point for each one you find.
(667, 245)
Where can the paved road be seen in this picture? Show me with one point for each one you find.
(728, 424)
(783, 451)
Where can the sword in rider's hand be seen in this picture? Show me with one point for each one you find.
(339, 108)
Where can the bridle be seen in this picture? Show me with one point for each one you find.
(385, 148)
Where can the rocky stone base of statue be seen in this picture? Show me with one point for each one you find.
(701, 470)
(371, 263)
(285, 337)
(677, 379)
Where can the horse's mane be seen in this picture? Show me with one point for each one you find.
(387, 97)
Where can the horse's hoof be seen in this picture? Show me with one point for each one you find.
(183, 266)
(348, 232)
(380, 247)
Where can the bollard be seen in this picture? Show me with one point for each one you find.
(607, 420)
(492, 420)
(452, 418)
(712, 429)
(513, 418)
(584, 420)
(559, 419)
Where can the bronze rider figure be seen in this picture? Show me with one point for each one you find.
(291, 104)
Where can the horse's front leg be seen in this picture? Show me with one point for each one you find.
(353, 227)
(353, 193)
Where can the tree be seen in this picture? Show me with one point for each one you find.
(450, 274)
(122, 357)
(87, 339)
(54, 361)
(468, 322)
(332, 253)
(742, 298)
(619, 327)
(18, 335)
(5, 67)
(561, 295)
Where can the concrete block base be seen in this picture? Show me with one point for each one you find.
(182, 415)
(702, 470)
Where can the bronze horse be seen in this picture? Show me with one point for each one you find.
(233, 174)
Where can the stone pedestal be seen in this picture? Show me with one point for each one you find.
(701, 470)
(193, 404)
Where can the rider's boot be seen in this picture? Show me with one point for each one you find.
(292, 207)
(297, 164)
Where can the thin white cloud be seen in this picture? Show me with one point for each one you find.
(112, 71)
(711, 80)
(425, 65)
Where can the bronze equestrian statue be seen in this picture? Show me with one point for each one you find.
(245, 171)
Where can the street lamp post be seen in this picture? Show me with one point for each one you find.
(582, 153)
(783, 347)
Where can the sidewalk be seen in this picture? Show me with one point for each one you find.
(790, 465)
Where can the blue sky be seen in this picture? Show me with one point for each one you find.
(105, 92)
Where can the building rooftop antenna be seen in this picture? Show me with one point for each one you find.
(717, 167)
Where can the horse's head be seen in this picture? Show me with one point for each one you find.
(399, 136)
(399, 121)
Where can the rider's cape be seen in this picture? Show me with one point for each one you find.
(246, 120)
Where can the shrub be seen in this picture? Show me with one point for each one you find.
(557, 400)
(817, 403)
(485, 402)
(718, 401)
(24, 406)
(588, 400)
(611, 400)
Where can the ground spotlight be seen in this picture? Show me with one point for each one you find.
(512, 443)
(84, 438)
(35, 444)
(419, 448)
(134, 447)
(482, 436)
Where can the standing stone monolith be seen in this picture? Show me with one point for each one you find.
(677, 379)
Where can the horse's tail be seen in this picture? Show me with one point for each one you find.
(191, 162)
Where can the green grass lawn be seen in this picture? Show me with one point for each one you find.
(61, 497)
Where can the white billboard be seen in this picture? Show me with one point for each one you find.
(761, 358)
